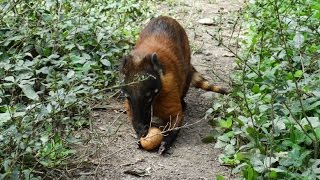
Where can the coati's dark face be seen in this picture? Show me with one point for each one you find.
(142, 85)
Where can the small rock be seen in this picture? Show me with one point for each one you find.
(102, 128)
(136, 172)
(207, 95)
(95, 114)
(207, 53)
(207, 59)
(228, 55)
(206, 21)
(148, 170)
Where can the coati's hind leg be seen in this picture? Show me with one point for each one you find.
(183, 104)
(175, 121)
(185, 90)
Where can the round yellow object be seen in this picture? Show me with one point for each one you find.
(152, 140)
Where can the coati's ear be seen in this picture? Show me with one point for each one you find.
(156, 64)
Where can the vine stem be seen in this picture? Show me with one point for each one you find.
(237, 56)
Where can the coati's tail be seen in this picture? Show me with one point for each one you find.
(199, 81)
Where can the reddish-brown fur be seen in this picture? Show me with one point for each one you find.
(165, 38)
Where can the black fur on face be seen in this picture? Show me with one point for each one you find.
(141, 88)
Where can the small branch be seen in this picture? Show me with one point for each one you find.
(297, 122)
(245, 95)
(237, 56)
(233, 30)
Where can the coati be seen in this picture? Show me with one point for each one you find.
(157, 74)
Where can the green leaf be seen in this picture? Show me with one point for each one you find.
(314, 121)
(6, 164)
(9, 78)
(273, 174)
(316, 167)
(77, 59)
(216, 105)
(255, 88)
(16, 38)
(298, 40)
(70, 46)
(298, 74)
(45, 163)
(250, 174)
(99, 36)
(219, 177)
(257, 164)
(81, 48)
(19, 114)
(223, 159)
(29, 91)
(252, 132)
(280, 124)
(4, 117)
(264, 108)
(105, 62)
(278, 170)
(243, 119)
(44, 139)
(317, 131)
(208, 113)
(289, 76)
(225, 124)
(224, 137)
(43, 70)
(70, 74)
(220, 144)
(268, 161)
(229, 149)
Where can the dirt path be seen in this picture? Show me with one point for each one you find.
(112, 139)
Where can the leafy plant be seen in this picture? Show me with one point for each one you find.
(270, 123)
(56, 58)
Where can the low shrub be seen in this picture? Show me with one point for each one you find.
(56, 58)
(270, 123)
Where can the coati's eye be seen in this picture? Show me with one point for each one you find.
(156, 91)
(126, 95)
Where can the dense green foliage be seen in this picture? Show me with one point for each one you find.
(270, 124)
(56, 57)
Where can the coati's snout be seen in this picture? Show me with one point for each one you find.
(142, 85)
(140, 109)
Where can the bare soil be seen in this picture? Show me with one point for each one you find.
(111, 141)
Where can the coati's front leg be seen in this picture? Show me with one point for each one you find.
(172, 129)
(127, 109)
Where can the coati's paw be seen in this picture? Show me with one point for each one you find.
(163, 148)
